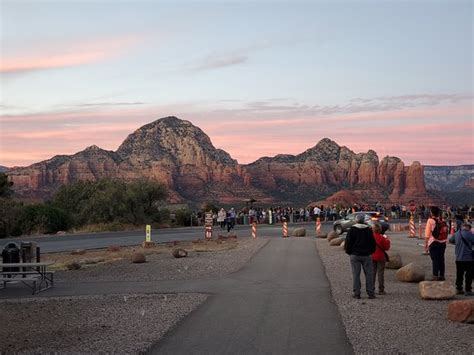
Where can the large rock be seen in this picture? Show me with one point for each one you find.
(332, 235)
(436, 290)
(461, 311)
(336, 241)
(73, 265)
(299, 232)
(395, 261)
(138, 258)
(410, 273)
(180, 253)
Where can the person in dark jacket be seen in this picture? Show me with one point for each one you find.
(464, 242)
(360, 245)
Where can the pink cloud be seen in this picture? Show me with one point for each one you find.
(66, 55)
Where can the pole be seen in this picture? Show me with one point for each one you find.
(254, 230)
(318, 227)
(285, 229)
(412, 227)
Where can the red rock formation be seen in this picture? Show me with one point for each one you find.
(182, 157)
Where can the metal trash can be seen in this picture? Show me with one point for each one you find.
(29, 252)
(11, 254)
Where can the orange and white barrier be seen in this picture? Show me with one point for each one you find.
(254, 230)
(412, 228)
(285, 229)
(318, 227)
(208, 232)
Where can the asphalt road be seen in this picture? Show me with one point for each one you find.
(69, 242)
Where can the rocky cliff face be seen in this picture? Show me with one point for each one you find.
(327, 168)
(448, 178)
(182, 156)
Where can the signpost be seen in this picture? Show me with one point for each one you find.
(148, 233)
(208, 223)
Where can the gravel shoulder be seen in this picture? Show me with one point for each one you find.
(399, 322)
(91, 324)
(163, 266)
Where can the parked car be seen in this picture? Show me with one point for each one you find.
(343, 225)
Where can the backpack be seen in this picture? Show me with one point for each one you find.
(440, 231)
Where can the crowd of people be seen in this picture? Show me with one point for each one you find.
(277, 214)
(367, 248)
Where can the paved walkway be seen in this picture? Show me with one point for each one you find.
(278, 303)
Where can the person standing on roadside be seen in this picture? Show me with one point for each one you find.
(221, 215)
(436, 236)
(380, 256)
(464, 242)
(360, 245)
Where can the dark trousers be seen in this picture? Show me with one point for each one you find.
(464, 270)
(437, 258)
(364, 263)
(379, 270)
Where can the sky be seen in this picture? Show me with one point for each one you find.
(261, 78)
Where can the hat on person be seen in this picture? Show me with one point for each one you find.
(360, 218)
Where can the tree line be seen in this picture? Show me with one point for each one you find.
(113, 203)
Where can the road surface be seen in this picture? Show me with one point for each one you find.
(69, 242)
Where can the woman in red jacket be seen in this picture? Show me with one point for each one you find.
(380, 257)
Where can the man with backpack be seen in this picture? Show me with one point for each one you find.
(464, 241)
(436, 236)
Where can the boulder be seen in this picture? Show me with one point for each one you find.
(343, 245)
(72, 265)
(436, 290)
(461, 311)
(336, 241)
(299, 232)
(180, 253)
(138, 258)
(332, 235)
(322, 236)
(78, 252)
(410, 273)
(395, 261)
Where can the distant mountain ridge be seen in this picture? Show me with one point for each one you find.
(449, 178)
(183, 157)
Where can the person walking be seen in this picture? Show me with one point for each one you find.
(360, 245)
(380, 256)
(464, 241)
(436, 236)
(221, 215)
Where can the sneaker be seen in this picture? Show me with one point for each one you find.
(356, 296)
(371, 297)
(468, 293)
(382, 293)
(459, 292)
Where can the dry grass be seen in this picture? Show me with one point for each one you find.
(110, 254)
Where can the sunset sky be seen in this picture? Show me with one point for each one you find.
(259, 77)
